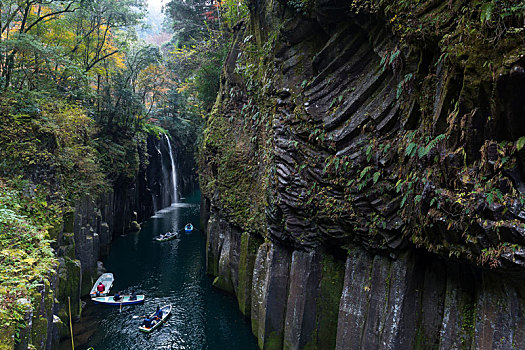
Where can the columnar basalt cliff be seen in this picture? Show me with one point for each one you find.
(363, 166)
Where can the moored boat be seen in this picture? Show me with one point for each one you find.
(188, 228)
(124, 300)
(166, 310)
(107, 280)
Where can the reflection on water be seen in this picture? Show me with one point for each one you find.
(171, 272)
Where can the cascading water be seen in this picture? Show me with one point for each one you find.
(164, 194)
(174, 195)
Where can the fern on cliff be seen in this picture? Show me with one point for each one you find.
(26, 258)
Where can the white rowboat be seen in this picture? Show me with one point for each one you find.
(124, 300)
(107, 280)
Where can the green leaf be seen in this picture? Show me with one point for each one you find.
(422, 151)
(376, 176)
(486, 12)
(404, 199)
(490, 198)
(520, 143)
(394, 56)
(410, 148)
(363, 172)
(399, 90)
(398, 185)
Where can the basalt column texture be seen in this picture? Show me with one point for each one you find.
(371, 153)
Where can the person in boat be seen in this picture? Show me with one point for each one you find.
(158, 314)
(133, 295)
(100, 288)
(147, 322)
(117, 296)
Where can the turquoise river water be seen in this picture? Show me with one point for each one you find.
(171, 272)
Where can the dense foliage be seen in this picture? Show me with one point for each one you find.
(26, 259)
(79, 91)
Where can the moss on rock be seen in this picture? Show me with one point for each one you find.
(331, 287)
(69, 275)
(7, 338)
(249, 245)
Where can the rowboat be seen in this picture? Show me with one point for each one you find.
(166, 310)
(167, 236)
(124, 300)
(188, 228)
(107, 280)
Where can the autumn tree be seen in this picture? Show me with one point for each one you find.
(20, 46)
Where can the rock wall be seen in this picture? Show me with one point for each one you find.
(149, 191)
(361, 158)
(84, 238)
(313, 299)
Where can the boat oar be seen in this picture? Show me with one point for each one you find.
(138, 316)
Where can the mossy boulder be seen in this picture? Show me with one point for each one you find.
(134, 226)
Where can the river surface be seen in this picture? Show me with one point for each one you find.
(171, 272)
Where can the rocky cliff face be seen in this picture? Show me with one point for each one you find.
(85, 237)
(150, 190)
(364, 172)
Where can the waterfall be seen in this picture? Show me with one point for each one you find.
(164, 185)
(174, 196)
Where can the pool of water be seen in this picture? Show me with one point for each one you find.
(171, 272)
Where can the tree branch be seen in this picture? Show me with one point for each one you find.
(92, 64)
(52, 14)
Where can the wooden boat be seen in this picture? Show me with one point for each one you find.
(107, 280)
(188, 228)
(167, 236)
(166, 310)
(124, 300)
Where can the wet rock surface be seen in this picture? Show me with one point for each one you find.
(303, 299)
(379, 173)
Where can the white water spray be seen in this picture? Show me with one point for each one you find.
(174, 195)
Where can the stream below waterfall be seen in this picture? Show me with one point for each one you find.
(171, 272)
